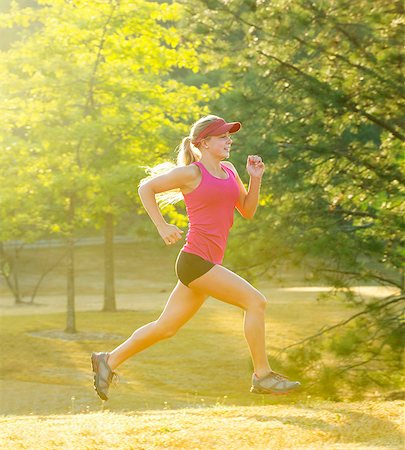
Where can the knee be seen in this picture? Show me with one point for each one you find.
(258, 301)
(164, 331)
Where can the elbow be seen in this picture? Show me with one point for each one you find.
(249, 215)
(143, 188)
(247, 210)
(246, 214)
(144, 191)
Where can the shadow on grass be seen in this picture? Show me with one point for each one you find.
(349, 426)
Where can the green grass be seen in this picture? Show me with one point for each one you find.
(207, 362)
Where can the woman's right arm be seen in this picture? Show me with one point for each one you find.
(177, 178)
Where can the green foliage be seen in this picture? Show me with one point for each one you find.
(349, 342)
(364, 353)
(88, 98)
(328, 379)
(320, 94)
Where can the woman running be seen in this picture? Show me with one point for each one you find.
(211, 189)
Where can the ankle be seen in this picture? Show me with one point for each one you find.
(109, 362)
(262, 373)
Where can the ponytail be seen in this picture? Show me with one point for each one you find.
(187, 153)
(163, 198)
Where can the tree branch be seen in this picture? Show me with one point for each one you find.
(344, 322)
(44, 274)
(384, 281)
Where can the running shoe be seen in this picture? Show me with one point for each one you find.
(103, 375)
(273, 383)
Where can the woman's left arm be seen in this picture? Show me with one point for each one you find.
(249, 199)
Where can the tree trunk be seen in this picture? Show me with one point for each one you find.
(15, 272)
(9, 270)
(70, 317)
(109, 285)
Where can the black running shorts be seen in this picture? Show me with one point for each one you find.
(190, 267)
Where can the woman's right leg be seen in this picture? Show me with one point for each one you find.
(181, 306)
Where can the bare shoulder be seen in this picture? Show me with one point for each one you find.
(191, 178)
(187, 177)
(176, 178)
(187, 173)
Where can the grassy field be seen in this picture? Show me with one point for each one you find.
(191, 391)
(208, 359)
(312, 426)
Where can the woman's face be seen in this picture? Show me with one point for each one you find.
(218, 146)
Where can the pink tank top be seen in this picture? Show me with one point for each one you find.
(210, 209)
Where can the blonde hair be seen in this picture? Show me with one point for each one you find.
(187, 153)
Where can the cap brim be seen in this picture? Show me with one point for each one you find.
(232, 127)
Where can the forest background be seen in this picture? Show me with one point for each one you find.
(94, 92)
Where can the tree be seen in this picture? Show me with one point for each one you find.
(22, 208)
(89, 91)
(320, 91)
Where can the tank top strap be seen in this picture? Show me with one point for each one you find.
(228, 170)
(205, 171)
(200, 165)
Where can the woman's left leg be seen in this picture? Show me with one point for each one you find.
(225, 285)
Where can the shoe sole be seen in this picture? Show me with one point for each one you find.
(259, 390)
(94, 366)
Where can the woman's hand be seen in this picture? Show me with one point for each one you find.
(255, 166)
(170, 233)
